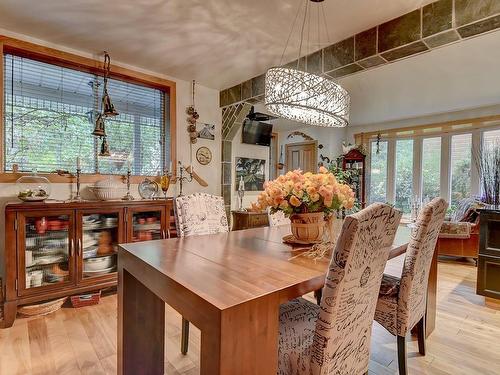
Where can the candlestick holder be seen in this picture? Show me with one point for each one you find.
(181, 178)
(128, 196)
(77, 197)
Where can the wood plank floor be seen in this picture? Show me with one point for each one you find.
(83, 341)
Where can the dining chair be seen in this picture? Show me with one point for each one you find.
(278, 218)
(198, 214)
(334, 338)
(402, 300)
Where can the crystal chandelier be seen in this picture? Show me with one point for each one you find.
(306, 97)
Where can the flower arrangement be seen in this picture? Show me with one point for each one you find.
(296, 193)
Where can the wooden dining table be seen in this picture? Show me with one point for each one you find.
(229, 285)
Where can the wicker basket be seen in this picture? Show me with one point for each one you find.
(85, 299)
(308, 227)
(41, 308)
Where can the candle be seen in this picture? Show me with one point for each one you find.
(78, 162)
(128, 164)
(170, 166)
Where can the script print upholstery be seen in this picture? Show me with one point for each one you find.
(200, 213)
(334, 338)
(400, 310)
(278, 218)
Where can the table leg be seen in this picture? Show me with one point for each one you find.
(141, 328)
(432, 296)
(244, 341)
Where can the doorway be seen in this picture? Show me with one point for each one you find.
(303, 155)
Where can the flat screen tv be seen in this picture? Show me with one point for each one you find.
(256, 133)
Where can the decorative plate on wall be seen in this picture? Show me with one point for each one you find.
(204, 155)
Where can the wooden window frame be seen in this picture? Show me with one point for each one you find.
(53, 56)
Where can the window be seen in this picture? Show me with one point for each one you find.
(491, 139)
(404, 174)
(378, 172)
(50, 113)
(431, 168)
(448, 158)
(461, 157)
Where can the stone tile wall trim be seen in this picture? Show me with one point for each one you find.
(469, 18)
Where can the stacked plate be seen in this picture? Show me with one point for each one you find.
(99, 266)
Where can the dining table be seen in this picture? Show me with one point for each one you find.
(230, 286)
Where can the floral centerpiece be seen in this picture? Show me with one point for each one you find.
(307, 198)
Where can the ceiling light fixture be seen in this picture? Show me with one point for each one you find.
(298, 95)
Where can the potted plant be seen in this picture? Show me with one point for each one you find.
(309, 199)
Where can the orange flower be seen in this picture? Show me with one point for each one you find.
(298, 193)
(294, 201)
(311, 190)
(323, 170)
(314, 197)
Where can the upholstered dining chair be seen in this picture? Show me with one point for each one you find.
(278, 218)
(402, 301)
(198, 214)
(334, 338)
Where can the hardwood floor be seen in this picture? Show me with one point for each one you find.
(83, 341)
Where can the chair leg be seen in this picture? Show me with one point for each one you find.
(185, 336)
(402, 355)
(318, 294)
(421, 335)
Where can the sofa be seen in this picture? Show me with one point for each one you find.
(459, 237)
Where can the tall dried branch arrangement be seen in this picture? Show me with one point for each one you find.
(488, 162)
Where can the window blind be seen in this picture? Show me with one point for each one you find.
(50, 113)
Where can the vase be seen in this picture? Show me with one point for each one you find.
(308, 227)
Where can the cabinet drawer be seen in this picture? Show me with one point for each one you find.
(488, 276)
(258, 221)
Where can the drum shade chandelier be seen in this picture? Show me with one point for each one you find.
(305, 97)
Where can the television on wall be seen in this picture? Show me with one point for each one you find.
(256, 133)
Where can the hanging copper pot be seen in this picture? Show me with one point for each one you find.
(99, 128)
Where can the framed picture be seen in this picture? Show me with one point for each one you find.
(253, 173)
(207, 131)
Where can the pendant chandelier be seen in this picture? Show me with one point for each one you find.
(309, 98)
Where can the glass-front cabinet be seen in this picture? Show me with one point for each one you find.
(99, 233)
(57, 249)
(46, 250)
(146, 224)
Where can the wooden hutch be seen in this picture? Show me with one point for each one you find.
(488, 270)
(354, 162)
(57, 249)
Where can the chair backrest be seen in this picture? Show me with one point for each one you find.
(200, 213)
(341, 342)
(278, 218)
(414, 279)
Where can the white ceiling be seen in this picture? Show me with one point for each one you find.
(217, 42)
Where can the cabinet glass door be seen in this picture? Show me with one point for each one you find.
(147, 225)
(99, 243)
(47, 256)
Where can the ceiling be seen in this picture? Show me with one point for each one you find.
(217, 42)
